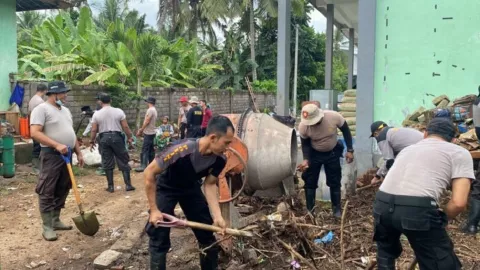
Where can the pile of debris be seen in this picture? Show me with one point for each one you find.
(348, 109)
(290, 238)
(460, 111)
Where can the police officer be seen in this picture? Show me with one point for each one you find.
(52, 126)
(391, 141)
(109, 123)
(194, 119)
(36, 100)
(318, 134)
(175, 176)
(408, 200)
(148, 130)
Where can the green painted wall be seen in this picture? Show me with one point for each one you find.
(8, 49)
(414, 40)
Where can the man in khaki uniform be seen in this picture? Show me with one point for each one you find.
(148, 130)
(52, 126)
(36, 100)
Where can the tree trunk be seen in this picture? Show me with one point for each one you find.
(252, 39)
(139, 93)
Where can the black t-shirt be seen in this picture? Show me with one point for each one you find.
(183, 166)
(195, 116)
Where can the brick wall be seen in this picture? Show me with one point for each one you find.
(221, 101)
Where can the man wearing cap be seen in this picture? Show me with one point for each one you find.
(408, 201)
(182, 116)
(320, 147)
(194, 119)
(36, 100)
(52, 126)
(391, 141)
(148, 130)
(109, 123)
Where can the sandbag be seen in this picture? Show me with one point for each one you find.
(352, 127)
(349, 100)
(350, 93)
(348, 114)
(351, 120)
(439, 99)
(347, 107)
(443, 104)
(416, 114)
(465, 100)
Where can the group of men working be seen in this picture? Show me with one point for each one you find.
(417, 169)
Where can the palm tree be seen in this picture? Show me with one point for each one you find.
(27, 20)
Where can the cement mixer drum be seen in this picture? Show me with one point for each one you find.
(272, 148)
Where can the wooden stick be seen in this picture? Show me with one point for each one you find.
(212, 228)
(300, 257)
(341, 235)
(365, 187)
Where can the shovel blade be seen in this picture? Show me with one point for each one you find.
(87, 223)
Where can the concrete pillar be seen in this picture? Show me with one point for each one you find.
(8, 49)
(283, 58)
(329, 48)
(365, 84)
(351, 56)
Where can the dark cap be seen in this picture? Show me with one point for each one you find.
(442, 127)
(151, 100)
(104, 97)
(57, 87)
(376, 126)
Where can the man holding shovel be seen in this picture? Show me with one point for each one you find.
(52, 126)
(176, 177)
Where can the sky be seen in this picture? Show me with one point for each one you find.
(150, 8)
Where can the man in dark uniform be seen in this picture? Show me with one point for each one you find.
(176, 176)
(194, 119)
(408, 200)
(391, 141)
(320, 147)
(109, 123)
(52, 126)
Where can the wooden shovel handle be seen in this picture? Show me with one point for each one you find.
(74, 186)
(201, 226)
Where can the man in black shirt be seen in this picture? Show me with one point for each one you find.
(194, 119)
(176, 176)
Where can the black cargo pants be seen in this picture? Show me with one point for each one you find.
(53, 181)
(183, 127)
(419, 219)
(194, 132)
(333, 170)
(195, 208)
(475, 188)
(113, 149)
(148, 149)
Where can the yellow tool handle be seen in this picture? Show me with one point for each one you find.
(212, 228)
(74, 186)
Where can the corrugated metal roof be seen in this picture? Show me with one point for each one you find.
(25, 5)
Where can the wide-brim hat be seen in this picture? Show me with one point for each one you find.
(311, 115)
(194, 99)
(57, 87)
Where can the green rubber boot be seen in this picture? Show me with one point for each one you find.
(58, 225)
(48, 232)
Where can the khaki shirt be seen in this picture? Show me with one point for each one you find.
(34, 102)
(150, 129)
(57, 123)
(323, 135)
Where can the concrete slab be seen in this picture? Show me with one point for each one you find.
(106, 259)
(130, 236)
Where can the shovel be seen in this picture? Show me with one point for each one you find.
(86, 223)
(171, 222)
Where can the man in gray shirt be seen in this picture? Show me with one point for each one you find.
(36, 100)
(148, 130)
(391, 141)
(52, 126)
(408, 200)
(109, 123)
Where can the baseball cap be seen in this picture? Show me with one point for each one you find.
(376, 126)
(311, 114)
(183, 99)
(442, 127)
(151, 100)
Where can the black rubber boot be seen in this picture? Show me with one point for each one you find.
(209, 261)
(473, 217)
(158, 261)
(110, 187)
(336, 198)
(143, 163)
(385, 263)
(310, 195)
(128, 181)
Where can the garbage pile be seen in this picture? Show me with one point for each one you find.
(348, 109)
(460, 111)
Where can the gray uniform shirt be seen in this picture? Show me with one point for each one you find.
(57, 123)
(109, 119)
(393, 140)
(34, 102)
(150, 129)
(426, 169)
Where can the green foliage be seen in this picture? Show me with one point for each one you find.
(266, 86)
